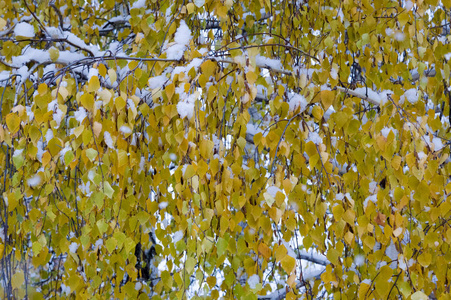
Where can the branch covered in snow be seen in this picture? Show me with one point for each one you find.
(313, 257)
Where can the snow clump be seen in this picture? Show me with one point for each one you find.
(24, 29)
(181, 41)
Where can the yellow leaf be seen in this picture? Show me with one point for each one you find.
(419, 296)
(122, 159)
(108, 189)
(190, 8)
(54, 53)
(120, 103)
(170, 88)
(189, 172)
(12, 201)
(79, 130)
(280, 252)
(91, 154)
(112, 75)
(397, 232)
(94, 84)
(349, 238)
(425, 259)
(97, 128)
(46, 158)
(42, 89)
(221, 11)
(310, 148)
(317, 112)
(17, 280)
(2, 23)
(264, 250)
(87, 100)
(102, 70)
(327, 98)
(396, 162)
(13, 122)
(251, 77)
(208, 67)
(288, 264)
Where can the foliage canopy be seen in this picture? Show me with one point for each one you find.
(261, 149)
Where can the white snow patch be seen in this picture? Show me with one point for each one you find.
(139, 4)
(157, 82)
(399, 36)
(272, 191)
(411, 95)
(253, 281)
(334, 73)
(386, 131)
(372, 198)
(108, 140)
(295, 101)
(163, 205)
(73, 247)
(182, 38)
(185, 108)
(177, 236)
(93, 72)
(80, 114)
(34, 181)
(359, 260)
(17, 152)
(268, 62)
(372, 187)
(314, 137)
(125, 129)
(24, 29)
(389, 31)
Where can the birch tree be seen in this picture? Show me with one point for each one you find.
(225, 149)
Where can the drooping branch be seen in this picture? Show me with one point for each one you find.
(282, 292)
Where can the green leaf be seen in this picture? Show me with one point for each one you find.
(108, 190)
(91, 154)
(102, 226)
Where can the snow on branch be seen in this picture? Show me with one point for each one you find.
(314, 258)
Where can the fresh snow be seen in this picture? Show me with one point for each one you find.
(73, 247)
(17, 152)
(182, 38)
(295, 101)
(372, 198)
(272, 191)
(411, 95)
(108, 140)
(157, 82)
(125, 129)
(253, 281)
(24, 29)
(386, 131)
(177, 236)
(139, 4)
(314, 137)
(381, 97)
(34, 181)
(399, 36)
(268, 62)
(80, 114)
(185, 107)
